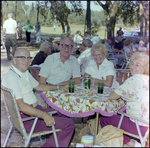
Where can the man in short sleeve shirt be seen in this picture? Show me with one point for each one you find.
(59, 68)
(22, 83)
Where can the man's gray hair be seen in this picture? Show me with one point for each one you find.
(87, 43)
(10, 15)
(65, 38)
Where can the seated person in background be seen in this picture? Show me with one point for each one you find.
(127, 47)
(99, 68)
(86, 36)
(85, 56)
(22, 83)
(134, 45)
(45, 50)
(56, 43)
(135, 90)
(58, 68)
(118, 45)
(142, 45)
(112, 54)
(95, 39)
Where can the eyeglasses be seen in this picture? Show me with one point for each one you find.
(57, 43)
(23, 57)
(65, 45)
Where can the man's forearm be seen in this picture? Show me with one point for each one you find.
(31, 111)
(45, 87)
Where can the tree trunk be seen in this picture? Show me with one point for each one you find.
(88, 17)
(63, 27)
(38, 13)
(68, 28)
(141, 19)
(16, 10)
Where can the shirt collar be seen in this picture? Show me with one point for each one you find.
(18, 71)
(57, 56)
(105, 63)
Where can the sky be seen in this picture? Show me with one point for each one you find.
(93, 6)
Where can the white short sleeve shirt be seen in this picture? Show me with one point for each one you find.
(10, 25)
(105, 69)
(22, 84)
(95, 39)
(56, 72)
(135, 90)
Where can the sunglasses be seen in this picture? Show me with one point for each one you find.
(57, 43)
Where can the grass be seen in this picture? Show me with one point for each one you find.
(48, 31)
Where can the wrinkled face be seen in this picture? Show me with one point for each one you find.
(98, 57)
(137, 67)
(109, 42)
(66, 48)
(22, 60)
(48, 51)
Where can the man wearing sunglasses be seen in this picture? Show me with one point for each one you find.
(22, 83)
(56, 43)
(60, 67)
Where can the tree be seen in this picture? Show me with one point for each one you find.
(88, 17)
(16, 10)
(110, 11)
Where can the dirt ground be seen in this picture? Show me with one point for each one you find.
(16, 138)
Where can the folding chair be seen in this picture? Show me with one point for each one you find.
(139, 136)
(126, 60)
(15, 120)
(122, 75)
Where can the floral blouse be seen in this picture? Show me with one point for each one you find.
(135, 90)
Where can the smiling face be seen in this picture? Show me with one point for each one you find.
(66, 47)
(137, 67)
(20, 63)
(98, 57)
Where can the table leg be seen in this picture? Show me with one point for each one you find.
(97, 124)
(82, 123)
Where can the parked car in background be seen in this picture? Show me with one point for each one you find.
(131, 35)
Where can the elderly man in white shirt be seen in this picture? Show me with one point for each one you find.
(59, 68)
(9, 31)
(85, 56)
(95, 39)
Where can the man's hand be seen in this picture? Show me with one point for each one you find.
(48, 119)
(17, 37)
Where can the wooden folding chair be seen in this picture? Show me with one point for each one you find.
(122, 75)
(139, 136)
(15, 120)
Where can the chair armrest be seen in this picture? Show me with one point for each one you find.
(52, 112)
(29, 118)
(146, 122)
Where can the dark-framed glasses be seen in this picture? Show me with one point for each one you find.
(23, 57)
(65, 46)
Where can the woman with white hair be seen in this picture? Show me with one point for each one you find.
(45, 50)
(135, 91)
(99, 69)
(38, 32)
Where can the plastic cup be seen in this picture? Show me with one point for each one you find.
(71, 86)
(87, 140)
